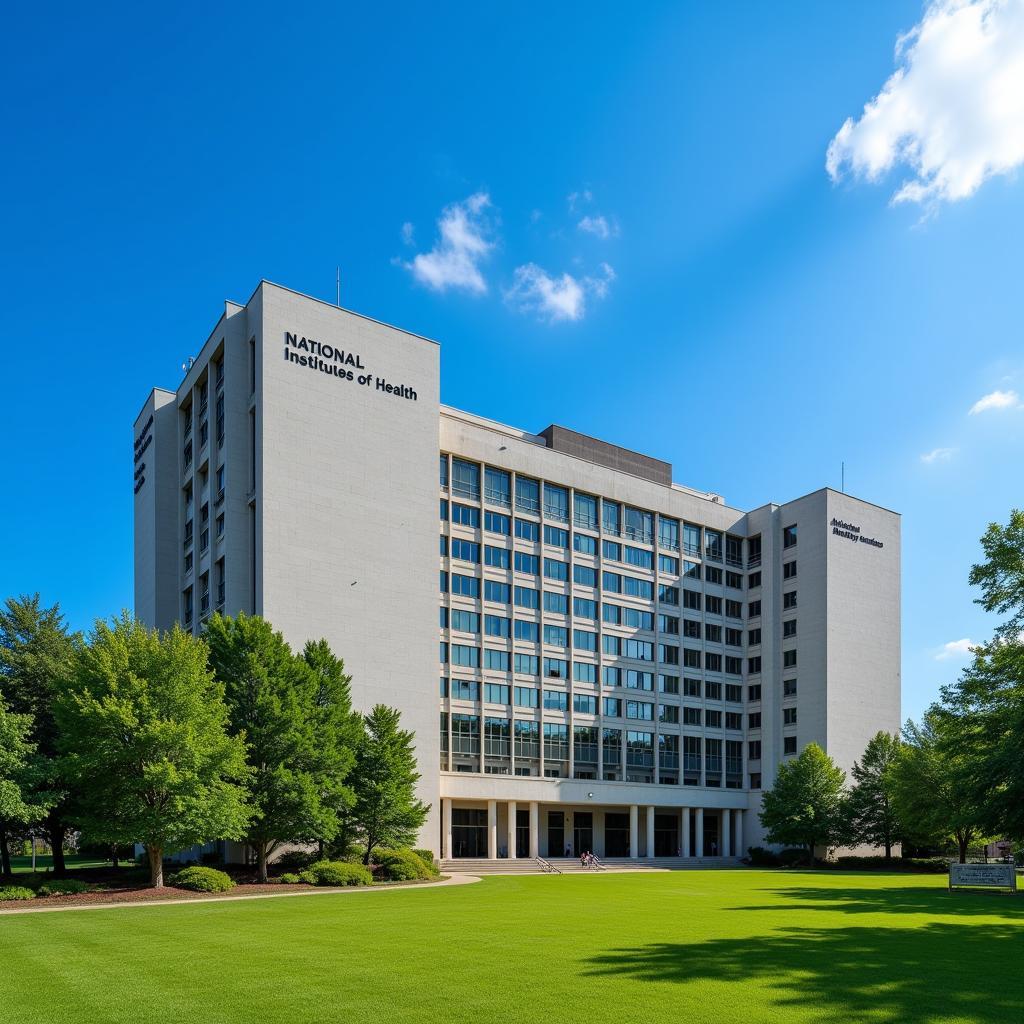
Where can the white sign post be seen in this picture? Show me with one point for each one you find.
(983, 876)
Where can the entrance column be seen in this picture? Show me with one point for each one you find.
(446, 829)
(633, 829)
(534, 829)
(492, 829)
(650, 831)
(511, 830)
(699, 852)
(726, 834)
(684, 829)
(739, 834)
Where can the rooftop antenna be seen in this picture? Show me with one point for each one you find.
(338, 283)
(843, 484)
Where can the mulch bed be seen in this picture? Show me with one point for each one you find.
(147, 895)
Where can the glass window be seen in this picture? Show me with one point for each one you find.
(497, 487)
(611, 550)
(691, 539)
(497, 558)
(465, 479)
(529, 564)
(584, 608)
(584, 640)
(527, 697)
(639, 525)
(465, 515)
(583, 544)
(556, 636)
(496, 661)
(788, 570)
(527, 597)
(466, 586)
(668, 565)
(585, 509)
(527, 631)
(556, 536)
(611, 517)
(584, 704)
(525, 530)
(461, 654)
(444, 472)
(556, 570)
(465, 622)
(584, 575)
(465, 550)
(713, 545)
(558, 603)
(496, 693)
(668, 533)
(527, 664)
(789, 536)
(495, 522)
(497, 592)
(584, 672)
(527, 494)
(556, 503)
(497, 625)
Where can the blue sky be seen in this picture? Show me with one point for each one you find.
(730, 306)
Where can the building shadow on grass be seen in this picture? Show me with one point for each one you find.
(907, 899)
(910, 975)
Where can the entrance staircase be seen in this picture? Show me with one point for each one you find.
(572, 865)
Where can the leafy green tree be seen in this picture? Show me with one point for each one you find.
(807, 805)
(272, 696)
(873, 819)
(36, 653)
(1001, 575)
(386, 811)
(930, 792)
(17, 777)
(339, 728)
(144, 730)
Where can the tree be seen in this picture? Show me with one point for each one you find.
(17, 777)
(930, 791)
(1001, 575)
(36, 653)
(144, 730)
(272, 701)
(339, 728)
(873, 819)
(806, 806)
(386, 811)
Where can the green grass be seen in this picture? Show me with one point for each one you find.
(20, 865)
(695, 946)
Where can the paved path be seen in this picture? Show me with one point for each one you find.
(193, 900)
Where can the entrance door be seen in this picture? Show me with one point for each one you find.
(469, 833)
(556, 834)
(666, 835)
(616, 835)
(712, 846)
(522, 833)
(583, 832)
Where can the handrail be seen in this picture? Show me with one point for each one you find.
(596, 864)
(547, 867)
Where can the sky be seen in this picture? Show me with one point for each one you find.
(755, 240)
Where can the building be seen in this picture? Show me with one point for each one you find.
(623, 661)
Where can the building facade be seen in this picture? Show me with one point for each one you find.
(591, 656)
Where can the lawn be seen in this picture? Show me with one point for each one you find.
(45, 863)
(695, 946)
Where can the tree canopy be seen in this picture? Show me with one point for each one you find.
(873, 818)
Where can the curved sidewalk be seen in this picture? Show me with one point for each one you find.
(192, 900)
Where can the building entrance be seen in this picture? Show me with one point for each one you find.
(469, 833)
(616, 835)
(583, 832)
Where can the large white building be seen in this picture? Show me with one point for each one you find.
(623, 661)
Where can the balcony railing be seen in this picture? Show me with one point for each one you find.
(496, 497)
(753, 561)
(734, 560)
(556, 512)
(527, 504)
(691, 549)
(585, 522)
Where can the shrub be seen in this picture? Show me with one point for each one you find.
(199, 879)
(63, 887)
(793, 857)
(760, 857)
(289, 878)
(294, 861)
(332, 872)
(15, 892)
(403, 865)
(427, 857)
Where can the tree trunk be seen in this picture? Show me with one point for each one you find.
(5, 852)
(261, 861)
(962, 845)
(156, 866)
(115, 861)
(56, 830)
(888, 848)
(810, 854)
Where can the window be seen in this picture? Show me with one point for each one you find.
(465, 734)
(789, 716)
(637, 680)
(527, 631)
(525, 530)
(733, 720)
(788, 536)
(465, 479)
(754, 580)
(584, 704)
(754, 665)
(556, 700)
(611, 675)
(713, 691)
(733, 666)
(444, 582)
(668, 654)
(640, 709)
(465, 515)
(612, 582)
(755, 780)
(497, 625)
(495, 522)
(668, 595)
(611, 644)
(713, 719)
(754, 610)
(496, 693)
(468, 657)
(556, 668)
(691, 600)
(556, 503)
(220, 525)
(788, 570)
(691, 716)
(713, 605)
(633, 587)
(497, 592)
(754, 720)
(669, 565)
(691, 570)
(466, 622)
(558, 603)
(754, 692)
(668, 684)
(497, 558)
(639, 749)
(691, 629)
(556, 537)
(497, 487)
(527, 597)
(734, 580)
(789, 628)
(712, 575)
(584, 608)
(691, 658)
(465, 550)
(526, 664)
(733, 637)
(612, 707)
(638, 557)
(691, 687)
(789, 659)
(789, 599)
(669, 714)
(611, 517)
(733, 609)
(754, 637)
(668, 533)
(713, 633)
(584, 672)
(789, 688)
(789, 745)
(556, 636)
(668, 624)
(584, 575)
(639, 650)
(527, 494)
(528, 564)
(733, 693)
(496, 661)
(556, 570)
(466, 586)
(585, 511)
(527, 697)
(583, 544)
(444, 688)
(584, 640)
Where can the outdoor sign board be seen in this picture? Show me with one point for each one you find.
(988, 876)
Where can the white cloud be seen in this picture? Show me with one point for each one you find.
(952, 112)
(955, 649)
(996, 400)
(938, 455)
(552, 298)
(577, 199)
(464, 243)
(408, 233)
(598, 226)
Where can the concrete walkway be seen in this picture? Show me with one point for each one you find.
(203, 900)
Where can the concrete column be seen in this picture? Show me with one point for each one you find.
(740, 850)
(726, 833)
(511, 830)
(534, 829)
(633, 830)
(684, 827)
(650, 831)
(446, 829)
(492, 829)
(699, 852)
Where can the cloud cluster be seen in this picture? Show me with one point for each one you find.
(464, 243)
(938, 455)
(996, 400)
(554, 298)
(952, 112)
(955, 649)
